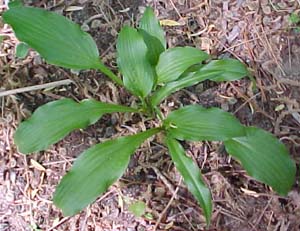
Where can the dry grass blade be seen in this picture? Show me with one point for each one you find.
(36, 87)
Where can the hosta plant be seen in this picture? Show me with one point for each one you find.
(151, 72)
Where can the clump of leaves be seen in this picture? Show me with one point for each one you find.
(151, 72)
(294, 19)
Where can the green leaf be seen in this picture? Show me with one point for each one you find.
(22, 50)
(216, 70)
(151, 25)
(154, 46)
(228, 70)
(189, 79)
(174, 61)
(264, 157)
(53, 121)
(138, 74)
(15, 3)
(196, 123)
(60, 41)
(138, 208)
(191, 175)
(95, 170)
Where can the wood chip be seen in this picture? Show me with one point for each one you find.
(73, 8)
(168, 22)
(37, 165)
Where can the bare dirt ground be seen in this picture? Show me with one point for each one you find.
(258, 33)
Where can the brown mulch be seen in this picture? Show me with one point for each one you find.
(258, 33)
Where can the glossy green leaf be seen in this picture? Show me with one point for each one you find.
(264, 157)
(174, 61)
(196, 123)
(95, 170)
(53, 121)
(228, 70)
(15, 3)
(138, 74)
(22, 50)
(151, 25)
(216, 70)
(189, 79)
(154, 46)
(57, 39)
(191, 175)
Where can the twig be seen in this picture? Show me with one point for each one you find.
(289, 82)
(175, 8)
(247, 101)
(164, 180)
(270, 50)
(185, 217)
(36, 87)
(59, 223)
(262, 214)
(228, 49)
(167, 207)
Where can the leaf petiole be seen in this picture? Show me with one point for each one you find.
(105, 70)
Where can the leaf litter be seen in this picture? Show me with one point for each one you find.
(257, 32)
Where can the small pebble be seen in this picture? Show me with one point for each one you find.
(266, 20)
(37, 60)
(171, 104)
(10, 196)
(114, 119)
(96, 23)
(12, 176)
(199, 88)
(225, 106)
(232, 101)
(266, 9)
(12, 162)
(85, 27)
(109, 131)
(142, 9)
(159, 191)
(140, 228)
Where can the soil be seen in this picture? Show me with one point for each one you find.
(258, 33)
